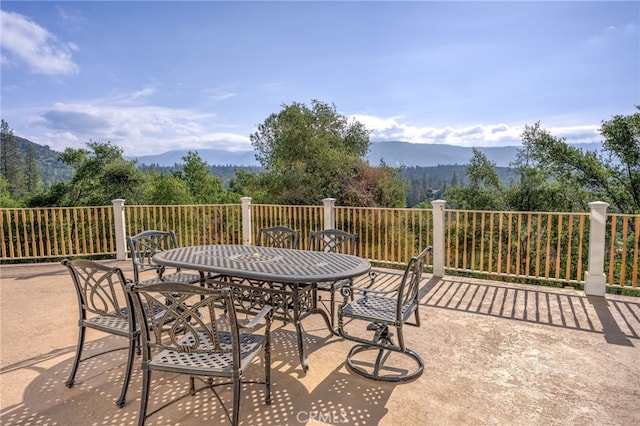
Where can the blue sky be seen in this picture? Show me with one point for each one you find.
(152, 76)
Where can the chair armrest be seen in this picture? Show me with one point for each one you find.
(266, 310)
(372, 277)
(349, 291)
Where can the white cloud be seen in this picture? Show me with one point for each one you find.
(146, 129)
(137, 129)
(219, 94)
(27, 42)
(143, 93)
(501, 134)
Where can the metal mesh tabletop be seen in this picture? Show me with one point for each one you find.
(265, 263)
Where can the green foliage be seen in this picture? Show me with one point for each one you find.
(203, 187)
(191, 183)
(564, 178)
(311, 153)
(101, 175)
(11, 162)
(33, 180)
(167, 190)
(6, 201)
(484, 191)
(622, 144)
(52, 170)
(555, 176)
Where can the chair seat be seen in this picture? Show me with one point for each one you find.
(208, 364)
(180, 277)
(376, 308)
(109, 323)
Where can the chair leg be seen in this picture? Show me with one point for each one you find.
(76, 362)
(333, 307)
(237, 387)
(144, 398)
(127, 375)
(267, 368)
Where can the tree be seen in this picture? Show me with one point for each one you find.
(101, 175)
(203, 186)
(543, 186)
(6, 201)
(622, 144)
(311, 153)
(555, 176)
(33, 179)
(484, 191)
(11, 161)
(167, 190)
(560, 177)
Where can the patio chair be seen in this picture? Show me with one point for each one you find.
(203, 341)
(382, 310)
(335, 241)
(142, 248)
(278, 236)
(104, 306)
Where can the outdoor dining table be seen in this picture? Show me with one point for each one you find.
(282, 278)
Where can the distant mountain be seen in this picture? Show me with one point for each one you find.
(213, 157)
(393, 153)
(52, 170)
(429, 155)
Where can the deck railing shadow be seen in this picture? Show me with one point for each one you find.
(618, 320)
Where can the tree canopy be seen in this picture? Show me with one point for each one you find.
(101, 175)
(555, 176)
(312, 152)
(11, 163)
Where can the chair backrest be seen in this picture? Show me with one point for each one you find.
(144, 245)
(188, 311)
(278, 236)
(410, 285)
(100, 289)
(333, 240)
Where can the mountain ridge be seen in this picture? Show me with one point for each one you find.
(393, 153)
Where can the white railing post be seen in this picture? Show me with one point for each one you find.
(120, 231)
(595, 279)
(438, 237)
(329, 213)
(246, 221)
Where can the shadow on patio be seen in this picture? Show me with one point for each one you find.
(494, 353)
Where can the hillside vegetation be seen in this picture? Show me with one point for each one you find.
(309, 153)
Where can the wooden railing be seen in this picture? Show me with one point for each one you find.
(193, 224)
(526, 246)
(388, 236)
(44, 233)
(623, 261)
(531, 245)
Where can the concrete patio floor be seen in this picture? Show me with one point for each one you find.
(495, 354)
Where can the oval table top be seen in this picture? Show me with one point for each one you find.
(266, 263)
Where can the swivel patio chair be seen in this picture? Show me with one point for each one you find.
(203, 341)
(384, 309)
(278, 236)
(104, 306)
(142, 248)
(335, 241)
